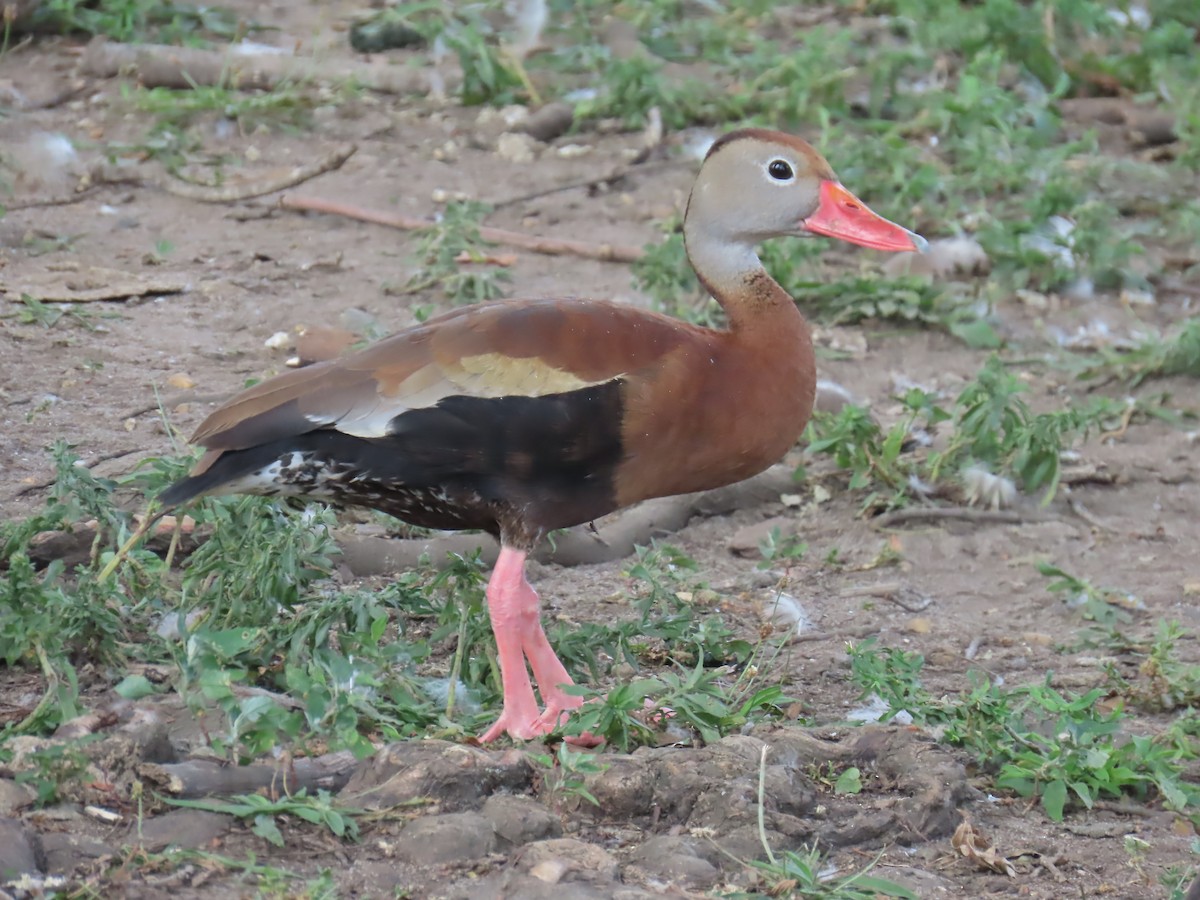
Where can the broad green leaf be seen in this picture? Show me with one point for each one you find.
(134, 687)
(1054, 798)
(265, 827)
(849, 782)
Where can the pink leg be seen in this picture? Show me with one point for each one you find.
(550, 675)
(516, 621)
(511, 605)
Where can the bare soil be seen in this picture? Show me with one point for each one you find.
(251, 271)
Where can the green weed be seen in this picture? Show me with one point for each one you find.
(991, 429)
(284, 106)
(807, 873)
(453, 258)
(1105, 606)
(1036, 742)
(564, 781)
(1163, 681)
(1154, 357)
(490, 73)
(135, 21)
(50, 769)
(266, 813)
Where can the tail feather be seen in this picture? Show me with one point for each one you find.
(217, 469)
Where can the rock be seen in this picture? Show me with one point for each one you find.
(510, 885)
(623, 791)
(187, 829)
(549, 122)
(451, 837)
(456, 776)
(934, 782)
(571, 859)
(859, 829)
(833, 398)
(921, 882)
(376, 878)
(65, 851)
(717, 787)
(747, 540)
(745, 843)
(14, 796)
(517, 148)
(519, 820)
(18, 855)
(678, 860)
(918, 625)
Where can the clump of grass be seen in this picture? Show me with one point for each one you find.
(1105, 606)
(989, 425)
(453, 258)
(1154, 357)
(286, 105)
(1035, 741)
(490, 73)
(138, 21)
(1163, 681)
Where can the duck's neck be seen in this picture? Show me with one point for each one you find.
(734, 275)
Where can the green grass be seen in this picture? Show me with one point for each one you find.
(990, 431)
(288, 658)
(1065, 750)
(141, 21)
(453, 258)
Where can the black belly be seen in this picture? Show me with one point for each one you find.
(518, 465)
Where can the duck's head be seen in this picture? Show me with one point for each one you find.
(757, 184)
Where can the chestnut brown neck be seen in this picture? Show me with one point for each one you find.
(753, 301)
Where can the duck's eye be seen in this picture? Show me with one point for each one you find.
(779, 170)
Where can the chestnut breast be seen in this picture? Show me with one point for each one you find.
(719, 409)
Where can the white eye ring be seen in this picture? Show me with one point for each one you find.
(781, 170)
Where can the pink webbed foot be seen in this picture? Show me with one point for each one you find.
(516, 621)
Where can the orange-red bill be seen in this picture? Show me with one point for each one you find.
(843, 216)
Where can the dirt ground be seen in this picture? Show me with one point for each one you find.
(248, 276)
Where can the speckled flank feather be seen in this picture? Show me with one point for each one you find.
(468, 462)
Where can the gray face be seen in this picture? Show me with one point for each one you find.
(752, 189)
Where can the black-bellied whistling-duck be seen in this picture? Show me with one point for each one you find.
(521, 417)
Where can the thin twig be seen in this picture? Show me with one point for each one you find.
(1120, 430)
(57, 99)
(1088, 516)
(548, 246)
(960, 513)
(171, 402)
(78, 197)
(891, 591)
(91, 464)
(614, 175)
(1125, 808)
(108, 176)
(839, 635)
(125, 549)
(231, 193)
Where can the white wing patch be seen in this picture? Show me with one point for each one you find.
(486, 375)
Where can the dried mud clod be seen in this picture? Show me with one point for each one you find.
(692, 815)
(914, 788)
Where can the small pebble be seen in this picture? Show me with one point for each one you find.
(280, 340)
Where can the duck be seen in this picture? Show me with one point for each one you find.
(520, 417)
